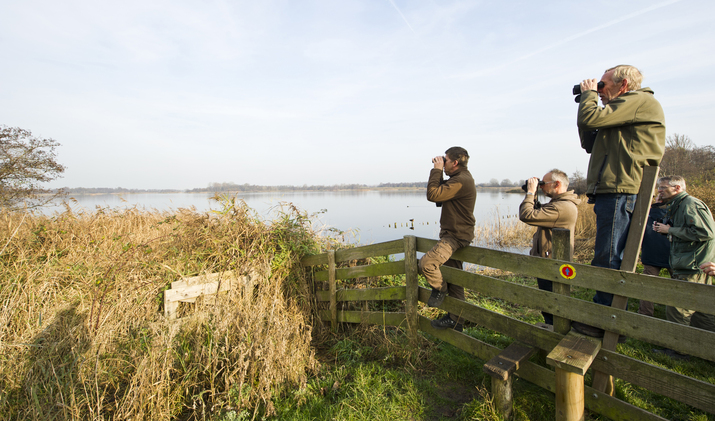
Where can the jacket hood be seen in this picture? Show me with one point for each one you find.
(570, 196)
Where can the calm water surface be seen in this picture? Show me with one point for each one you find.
(365, 217)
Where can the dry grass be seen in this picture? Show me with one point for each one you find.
(82, 332)
(507, 232)
(504, 232)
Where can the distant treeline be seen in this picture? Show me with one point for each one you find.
(232, 187)
(109, 190)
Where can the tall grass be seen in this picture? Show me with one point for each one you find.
(82, 331)
(507, 232)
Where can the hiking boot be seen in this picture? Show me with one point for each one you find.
(446, 322)
(546, 326)
(436, 298)
(672, 354)
(592, 331)
(588, 330)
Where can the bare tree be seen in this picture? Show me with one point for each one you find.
(25, 163)
(578, 183)
(682, 157)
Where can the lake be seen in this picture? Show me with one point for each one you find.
(365, 217)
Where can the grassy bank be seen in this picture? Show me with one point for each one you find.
(82, 332)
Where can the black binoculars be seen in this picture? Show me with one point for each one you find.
(577, 90)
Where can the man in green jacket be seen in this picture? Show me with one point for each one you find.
(560, 212)
(457, 196)
(692, 238)
(623, 136)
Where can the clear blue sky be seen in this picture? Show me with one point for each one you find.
(179, 94)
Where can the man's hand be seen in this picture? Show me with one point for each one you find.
(532, 185)
(661, 228)
(589, 85)
(438, 162)
(708, 268)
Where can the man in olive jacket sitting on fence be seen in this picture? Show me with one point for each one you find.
(560, 212)
(457, 196)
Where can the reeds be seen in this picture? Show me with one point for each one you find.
(506, 232)
(82, 331)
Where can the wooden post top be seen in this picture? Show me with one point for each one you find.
(502, 365)
(574, 353)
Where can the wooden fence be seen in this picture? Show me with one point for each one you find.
(557, 344)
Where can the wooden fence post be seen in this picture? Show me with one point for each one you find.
(411, 291)
(571, 359)
(561, 249)
(602, 381)
(333, 291)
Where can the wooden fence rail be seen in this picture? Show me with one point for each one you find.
(691, 391)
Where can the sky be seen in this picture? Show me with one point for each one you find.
(180, 94)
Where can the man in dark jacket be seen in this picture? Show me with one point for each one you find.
(623, 136)
(457, 196)
(560, 212)
(655, 251)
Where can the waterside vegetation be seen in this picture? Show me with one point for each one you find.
(83, 334)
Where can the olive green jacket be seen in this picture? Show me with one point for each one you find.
(560, 212)
(458, 195)
(631, 135)
(692, 234)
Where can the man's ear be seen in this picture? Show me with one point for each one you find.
(624, 86)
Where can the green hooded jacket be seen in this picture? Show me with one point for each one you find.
(631, 135)
(692, 234)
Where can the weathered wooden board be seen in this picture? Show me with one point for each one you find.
(189, 289)
(372, 294)
(595, 401)
(574, 353)
(371, 317)
(508, 360)
(652, 288)
(380, 249)
(685, 389)
(685, 339)
(377, 269)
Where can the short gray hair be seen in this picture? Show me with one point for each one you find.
(630, 73)
(673, 180)
(558, 175)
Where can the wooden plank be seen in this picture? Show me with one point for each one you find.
(595, 401)
(195, 291)
(332, 291)
(372, 294)
(314, 260)
(369, 317)
(508, 360)
(380, 249)
(411, 287)
(690, 391)
(697, 297)
(629, 262)
(377, 269)
(685, 339)
(685, 389)
(574, 353)
(201, 279)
